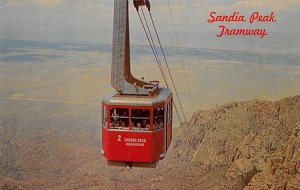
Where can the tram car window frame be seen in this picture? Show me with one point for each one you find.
(158, 118)
(119, 118)
(140, 119)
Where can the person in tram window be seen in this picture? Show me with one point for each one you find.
(114, 114)
(158, 115)
(138, 126)
(160, 123)
(123, 125)
(115, 119)
(146, 124)
(156, 125)
(132, 125)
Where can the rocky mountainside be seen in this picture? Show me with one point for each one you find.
(242, 145)
(259, 141)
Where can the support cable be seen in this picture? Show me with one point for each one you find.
(168, 68)
(162, 72)
(180, 54)
(152, 45)
(157, 61)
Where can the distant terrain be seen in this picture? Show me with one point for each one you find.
(241, 145)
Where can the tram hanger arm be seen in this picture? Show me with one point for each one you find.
(139, 3)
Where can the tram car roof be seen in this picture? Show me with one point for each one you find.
(161, 95)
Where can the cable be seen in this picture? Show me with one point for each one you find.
(180, 54)
(173, 83)
(152, 45)
(161, 69)
(157, 61)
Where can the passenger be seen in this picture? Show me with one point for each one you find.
(132, 125)
(114, 124)
(114, 119)
(156, 124)
(146, 124)
(114, 114)
(138, 126)
(160, 123)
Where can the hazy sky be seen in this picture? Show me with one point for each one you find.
(91, 21)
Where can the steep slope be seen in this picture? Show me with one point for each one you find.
(258, 140)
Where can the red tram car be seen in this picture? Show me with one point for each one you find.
(137, 128)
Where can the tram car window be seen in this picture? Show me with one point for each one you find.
(119, 118)
(140, 119)
(158, 118)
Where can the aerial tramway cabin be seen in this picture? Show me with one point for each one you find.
(137, 118)
(137, 128)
